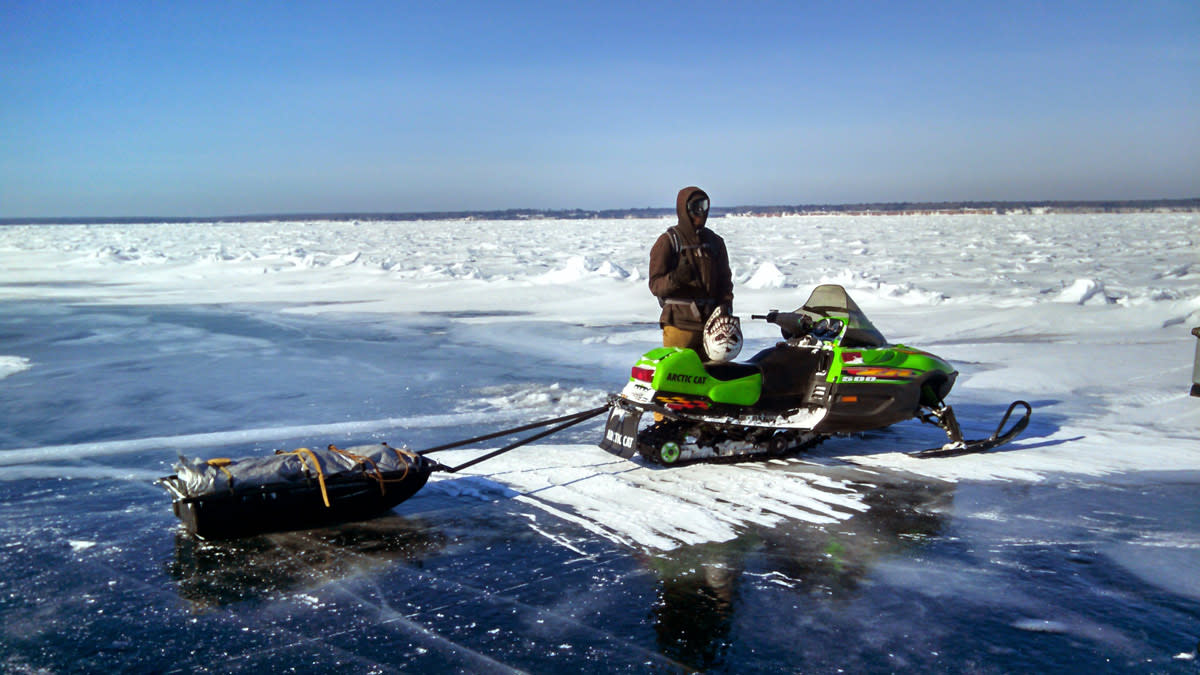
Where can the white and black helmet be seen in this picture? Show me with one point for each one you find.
(722, 336)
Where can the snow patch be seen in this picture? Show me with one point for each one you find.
(526, 396)
(344, 260)
(11, 365)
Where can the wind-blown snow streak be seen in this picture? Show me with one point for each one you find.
(654, 507)
(11, 365)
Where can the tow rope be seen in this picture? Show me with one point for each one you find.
(563, 422)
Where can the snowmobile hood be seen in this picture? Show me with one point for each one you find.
(687, 223)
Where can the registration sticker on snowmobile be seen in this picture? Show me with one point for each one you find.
(638, 392)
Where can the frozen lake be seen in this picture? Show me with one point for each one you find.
(1075, 548)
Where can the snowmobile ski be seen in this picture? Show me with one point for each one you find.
(944, 418)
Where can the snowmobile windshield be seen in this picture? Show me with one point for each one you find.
(833, 300)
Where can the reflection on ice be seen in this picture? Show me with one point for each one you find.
(211, 574)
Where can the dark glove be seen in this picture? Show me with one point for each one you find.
(684, 273)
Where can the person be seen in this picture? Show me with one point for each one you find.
(1196, 365)
(689, 273)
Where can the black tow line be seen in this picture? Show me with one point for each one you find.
(563, 422)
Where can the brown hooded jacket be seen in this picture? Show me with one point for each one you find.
(690, 292)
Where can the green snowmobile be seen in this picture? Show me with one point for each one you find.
(833, 373)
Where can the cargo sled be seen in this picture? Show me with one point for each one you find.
(300, 489)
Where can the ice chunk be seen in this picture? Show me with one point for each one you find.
(767, 276)
(1084, 291)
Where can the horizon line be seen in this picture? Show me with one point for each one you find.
(648, 212)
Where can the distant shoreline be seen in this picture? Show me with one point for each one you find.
(865, 209)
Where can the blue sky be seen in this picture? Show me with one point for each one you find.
(211, 108)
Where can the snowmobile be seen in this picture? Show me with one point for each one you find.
(833, 373)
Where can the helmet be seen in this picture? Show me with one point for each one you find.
(722, 336)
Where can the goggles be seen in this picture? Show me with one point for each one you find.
(698, 206)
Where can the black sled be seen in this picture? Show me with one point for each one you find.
(303, 489)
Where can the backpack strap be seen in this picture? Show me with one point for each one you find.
(677, 248)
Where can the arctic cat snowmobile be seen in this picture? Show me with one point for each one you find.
(833, 373)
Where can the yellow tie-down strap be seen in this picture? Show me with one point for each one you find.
(400, 454)
(221, 463)
(305, 453)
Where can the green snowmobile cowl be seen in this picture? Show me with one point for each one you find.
(680, 370)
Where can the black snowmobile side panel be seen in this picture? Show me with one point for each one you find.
(788, 373)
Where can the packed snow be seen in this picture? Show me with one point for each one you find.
(1085, 316)
(12, 364)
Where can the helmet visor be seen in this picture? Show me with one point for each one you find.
(698, 206)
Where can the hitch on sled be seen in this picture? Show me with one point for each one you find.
(943, 418)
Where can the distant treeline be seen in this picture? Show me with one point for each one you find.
(881, 208)
(884, 208)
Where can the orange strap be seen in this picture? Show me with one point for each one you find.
(364, 461)
(221, 463)
(302, 453)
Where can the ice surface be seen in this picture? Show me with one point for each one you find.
(121, 345)
(1087, 313)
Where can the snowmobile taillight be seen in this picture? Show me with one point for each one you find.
(643, 374)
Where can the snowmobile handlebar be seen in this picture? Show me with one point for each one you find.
(792, 323)
(798, 324)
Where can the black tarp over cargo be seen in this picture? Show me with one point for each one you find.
(305, 488)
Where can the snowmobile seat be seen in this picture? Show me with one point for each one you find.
(726, 372)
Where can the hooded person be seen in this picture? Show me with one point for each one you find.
(689, 273)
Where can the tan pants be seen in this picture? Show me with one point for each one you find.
(677, 337)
